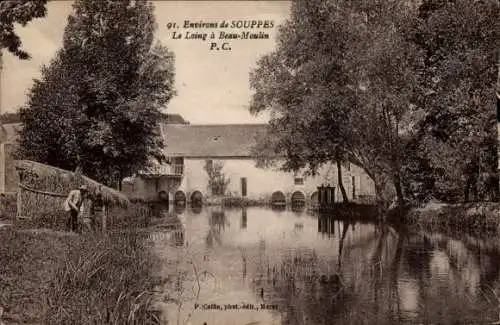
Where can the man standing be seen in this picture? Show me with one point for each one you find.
(73, 204)
(97, 208)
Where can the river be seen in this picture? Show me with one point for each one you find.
(260, 266)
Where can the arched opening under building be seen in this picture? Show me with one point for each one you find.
(278, 199)
(163, 196)
(163, 201)
(298, 198)
(196, 198)
(179, 198)
(298, 201)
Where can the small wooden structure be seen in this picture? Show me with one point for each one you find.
(326, 197)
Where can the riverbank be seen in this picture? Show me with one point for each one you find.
(236, 202)
(54, 277)
(478, 217)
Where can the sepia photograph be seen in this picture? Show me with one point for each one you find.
(299, 162)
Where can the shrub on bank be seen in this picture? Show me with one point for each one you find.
(59, 278)
(234, 201)
(476, 217)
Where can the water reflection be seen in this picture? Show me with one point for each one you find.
(180, 208)
(196, 209)
(319, 270)
(298, 208)
(278, 208)
(243, 218)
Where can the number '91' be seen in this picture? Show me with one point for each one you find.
(171, 25)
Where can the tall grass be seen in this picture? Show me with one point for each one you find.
(137, 215)
(58, 278)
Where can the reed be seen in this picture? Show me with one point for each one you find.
(137, 215)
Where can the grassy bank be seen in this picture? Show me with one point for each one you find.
(50, 277)
(482, 217)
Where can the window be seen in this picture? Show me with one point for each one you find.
(346, 165)
(243, 186)
(178, 165)
(298, 180)
(209, 165)
(178, 161)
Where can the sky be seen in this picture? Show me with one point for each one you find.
(212, 86)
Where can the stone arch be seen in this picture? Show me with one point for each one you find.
(278, 198)
(196, 198)
(298, 198)
(314, 198)
(179, 198)
(163, 196)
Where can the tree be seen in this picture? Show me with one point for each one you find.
(18, 12)
(384, 63)
(329, 89)
(217, 180)
(391, 87)
(101, 94)
(303, 84)
(459, 43)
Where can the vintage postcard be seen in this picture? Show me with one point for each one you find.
(249, 162)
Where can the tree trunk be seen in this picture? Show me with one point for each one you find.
(120, 180)
(341, 183)
(379, 194)
(399, 190)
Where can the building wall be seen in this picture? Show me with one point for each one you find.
(261, 183)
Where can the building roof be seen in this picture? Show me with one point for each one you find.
(211, 141)
(175, 119)
(191, 141)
